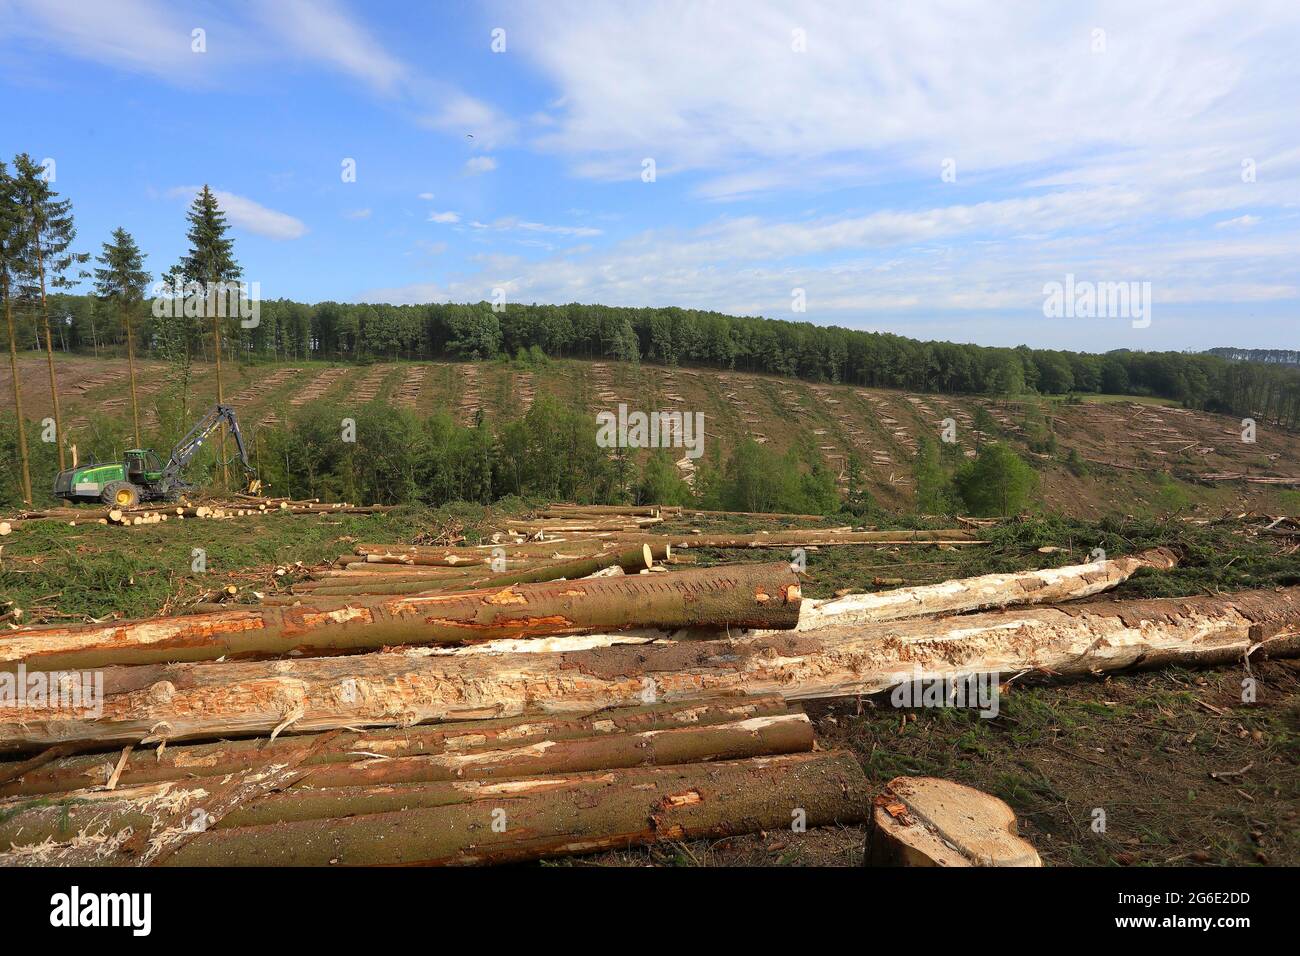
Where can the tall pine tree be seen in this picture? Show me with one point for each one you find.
(122, 282)
(211, 261)
(12, 240)
(48, 221)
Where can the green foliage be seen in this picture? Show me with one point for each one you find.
(47, 220)
(122, 278)
(857, 499)
(984, 425)
(473, 331)
(661, 483)
(757, 479)
(1170, 497)
(1077, 464)
(330, 330)
(997, 482)
(933, 493)
(211, 256)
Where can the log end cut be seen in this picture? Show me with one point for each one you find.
(924, 821)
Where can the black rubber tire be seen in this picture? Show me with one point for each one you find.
(115, 492)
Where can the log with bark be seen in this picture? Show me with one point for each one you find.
(191, 701)
(629, 560)
(741, 596)
(320, 790)
(474, 822)
(54, 770)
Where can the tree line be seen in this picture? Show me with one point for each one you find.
(38, 270)
(295, 331)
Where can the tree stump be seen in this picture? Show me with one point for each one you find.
(924, 821)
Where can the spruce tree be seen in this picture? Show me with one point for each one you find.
(48, 223)
(12, 241)
(122, 282)
(209, 262)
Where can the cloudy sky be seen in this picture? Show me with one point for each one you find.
(924, 168)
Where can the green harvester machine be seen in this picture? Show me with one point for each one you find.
(142, 475)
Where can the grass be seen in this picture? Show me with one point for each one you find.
(56, 572)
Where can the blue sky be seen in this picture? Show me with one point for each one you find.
(918, 168)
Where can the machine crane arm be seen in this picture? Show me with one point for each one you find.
(189, 446)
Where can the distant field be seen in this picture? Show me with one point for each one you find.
(1094, 457)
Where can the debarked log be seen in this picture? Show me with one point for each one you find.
(189, 701)
(741, 596)
(984, 591)
(807, 538)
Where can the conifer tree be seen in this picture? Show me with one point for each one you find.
(47, 221)
(209, 262)
(12, 240)
(122, 282)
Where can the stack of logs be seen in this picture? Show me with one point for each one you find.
(239, 507)
(427, 705)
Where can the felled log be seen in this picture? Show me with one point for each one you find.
(56, 771)
(757, 595)
(809, 538)
(475, 576)
(774, 515)
(924, 821)
(985, 591)
(527, 819)
(190, 701)
(566, 510)
(322, 790)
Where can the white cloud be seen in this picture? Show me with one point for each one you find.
(903, 270)
(358, 214)
(140, 35)
(150, 36)
(511, 224)
(480, 164)
(446, 217)
(426, 196)
(321, 30)
(1238, 222)
(890, 90)
(249, 214)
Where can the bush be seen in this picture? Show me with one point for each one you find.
(997, 482)
(933, 488)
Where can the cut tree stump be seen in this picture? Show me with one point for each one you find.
(924, 821)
